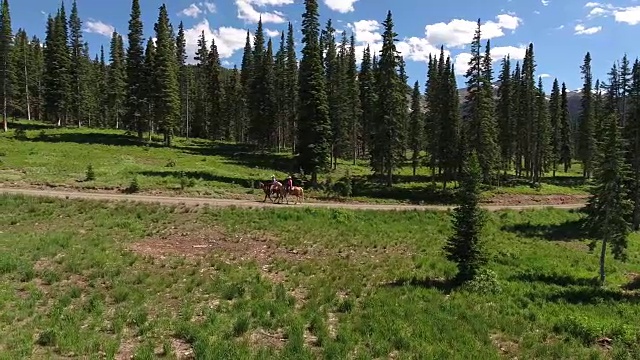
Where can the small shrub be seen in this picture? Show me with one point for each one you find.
(134, 186)
(241, 325)
(185, 182)
(485, 282)
(171, 163)
(91, 175)
(46, 338)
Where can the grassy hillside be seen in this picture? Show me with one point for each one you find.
(39, 154)
(87, 279)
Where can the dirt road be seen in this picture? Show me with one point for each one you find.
(192, 201)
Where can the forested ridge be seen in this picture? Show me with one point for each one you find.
(324, 103)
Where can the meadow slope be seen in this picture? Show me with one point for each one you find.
(84, 278)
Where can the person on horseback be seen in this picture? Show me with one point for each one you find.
(288, 184)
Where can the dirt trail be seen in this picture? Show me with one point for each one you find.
(193, 201)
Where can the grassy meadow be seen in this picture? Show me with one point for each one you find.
(42, 155)
(82, 279)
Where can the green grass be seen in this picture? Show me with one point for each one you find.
(44, 155)
(298, 283)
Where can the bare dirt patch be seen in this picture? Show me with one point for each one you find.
(272, 339)
(197, 242)
(517, 199)
(506, 346)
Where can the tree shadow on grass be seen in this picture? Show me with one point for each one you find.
(443, 285)
(592, 295)
(555, 279)
(28, 126)
(95, 138)
(364, 186)
(567, 231)
(200, 175)
(245, 155)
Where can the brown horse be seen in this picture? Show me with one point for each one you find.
(298, 192)
(272, 189)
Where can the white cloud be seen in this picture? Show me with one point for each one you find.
(630, 15)
(211, 7)
(582, 30)
(545, 2)
(497, 54)
(544, 76)
(271, 33)
(228, 39)
(341, 6)
(191, 11)
(248, 13)
(366, 31)
(98, 27)
(460, 32)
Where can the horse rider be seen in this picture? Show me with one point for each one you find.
(274, 182)
(288, 184)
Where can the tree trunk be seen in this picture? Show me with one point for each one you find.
(26, 86)
(603, 253)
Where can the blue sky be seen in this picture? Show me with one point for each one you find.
(561, 30)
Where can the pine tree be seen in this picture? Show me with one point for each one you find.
(64, 58)
(214, 94)
(599, 111)
(566, 150)
(465, 246)
(77, 69)
(167, 106)
(519, 127)
(368, 99)
(314, 126)
(234, 108)
(632, 137)
(259, 127)
(291, 89)
(103, 100)
(36, 72)
(56, 71)
(481, 123)
(555, 115)
(333, 79)
(117, 77)
(353, 105)
(22, 63)
(136, 98)
(625, 88)
(269, 101)
(432, 115)
(148, 85)
(387, 147)
(280, 93)
(200, 124)
(608, 207)
(450, 143)
(542, 135)
(416, 127)
(587, 142)
(181, 53)
(505, 115)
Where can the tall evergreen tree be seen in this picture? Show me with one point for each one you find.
(333, 78)
(609, 207)
(505, 114)
(280, 93)
(259, 129)
(200, 123)
(432, 115)
(167, 105)
(181, 54)
(136, 97)
(269, 108)
(566, 148)
(625, 88)
(77, 69)
(214, 94)
(56, 73)
(465, 247)
(291, 89)
(587, 141)
(22, 64)
(555, 115)
(416, 127)
(481, 123)
(632, 137)
(148, 85)
(353, 105)
(314, 129)
(117, 80)
(542, 135)
(368, 99)
(387, 148)
(450, 150)
(6, 61)
(36, 72)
